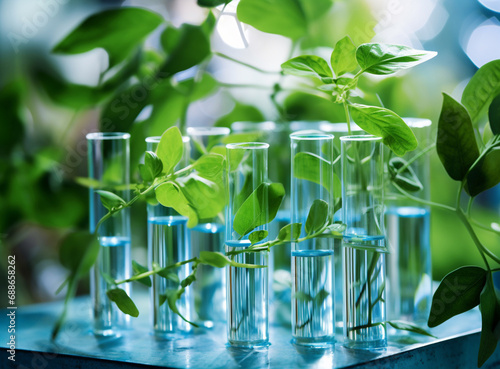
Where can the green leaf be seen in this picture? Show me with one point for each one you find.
(210, 166)
(88, 182)
(78, 252)
(256, 211)
(118, 31)
(242, 137)
(170, 149)
(212, 3)
(482, 88)
(290, 232)
(110, 200)
(71, 95)
(494, 115)
(240, 112)
(215, 259)
(153, 163)
(459, 291)
(170, 38)
(490, 317)
(145, 173)
(387, 124)
(123, 301)
(405, 326)
(343, 58)
(320, 297)
(170, 195)
(207, 198)
(170, 276)
(317, 217)
(192, 47)
(190, 279)
(281, 17)
(139, 269)
(307, 65)
(172, 297)
(386, 59)
(336, 229)
(198, 88)
(485, 173)
(257, 236)
(455, 144)
(407, 179)
(302, 296)
(314, 168)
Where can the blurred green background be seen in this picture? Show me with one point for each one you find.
(44, 122)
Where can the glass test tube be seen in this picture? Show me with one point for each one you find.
(312, 260)
(208, 235)
(168, 243)
(247, 289)
(363, 242)
(108, 163)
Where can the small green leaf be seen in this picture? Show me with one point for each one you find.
(320, 297)
(302, 296)
(188, 280)
(242, 137)
(308, 66)
(172, 297)
(215, 259)
(210, 166)
(161, 299)
(255, 212)
(145, 173)
(205, 197)
(482, 88)
(123, 301)
(170, 195)
(407, 179)
(343, 58)
(317, 217)
(191, 48)
(405, 326)
(139, 269)
(490, 317)
(88, 182)
(455, 144)
(170, 149)
(459, 291)
(125, 28)
(110, 200)
(241, 112)
(485, 173)
(109, 280)
(336, 228)
(387, 124)
(212, 3)
(494, 115)
(257, 236)
(170, 38)
(314, 168)
(78, 252)
(386, 59)
(153, 163)
(165, 273)
(290, 232)
(281, 17)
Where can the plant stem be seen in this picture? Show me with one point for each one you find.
(347, 117)
(422, 201)
(482, 250)
(227, 57)
(151, 272)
